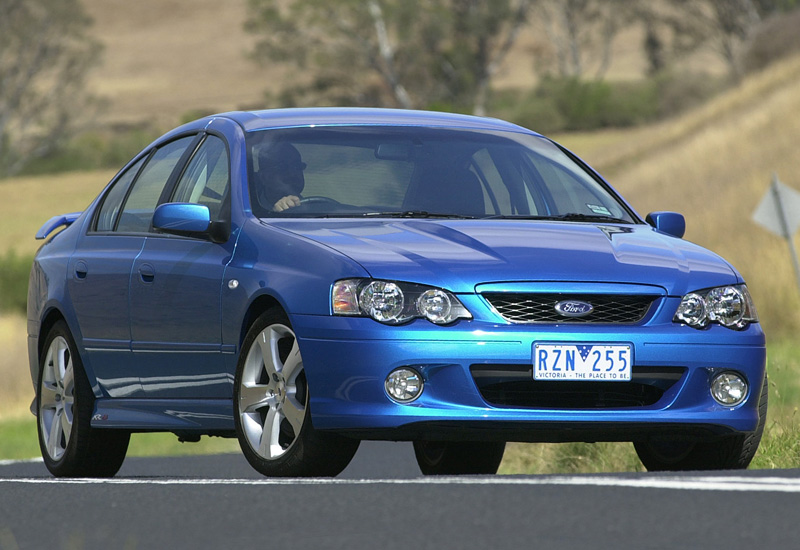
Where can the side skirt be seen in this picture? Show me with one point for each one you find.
(203, 416)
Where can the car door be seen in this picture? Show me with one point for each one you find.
(98, 278)
(176, 288)
(100, 268)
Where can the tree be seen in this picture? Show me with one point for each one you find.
(581, 33)
(681, 26)
(725, 23)
(402, 53)
(482, 34)
(670, 32)
(44, 58)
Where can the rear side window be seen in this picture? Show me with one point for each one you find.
(137, 213)
(113, 199)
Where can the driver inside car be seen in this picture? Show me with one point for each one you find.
(281, 177)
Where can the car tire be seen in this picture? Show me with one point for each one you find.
(272, 407)
(459, 458)
(729, 453)
(64, 406)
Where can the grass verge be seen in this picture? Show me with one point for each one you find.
(780, 446)
(19, 441)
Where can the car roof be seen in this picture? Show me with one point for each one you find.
(355, 116)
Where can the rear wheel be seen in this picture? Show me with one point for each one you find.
(459, 458)
(65, 403)
(730, 453)
(272, 413)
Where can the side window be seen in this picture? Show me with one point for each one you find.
(143, 198)
(568, 189)
(497, 193)
(205, 180)
(573, 195)
(113, 199)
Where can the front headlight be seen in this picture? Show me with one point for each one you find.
(394, 302)
(730, 306)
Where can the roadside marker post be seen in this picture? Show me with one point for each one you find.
(779, 212)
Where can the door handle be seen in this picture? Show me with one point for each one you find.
(147, 273)
(81, 269)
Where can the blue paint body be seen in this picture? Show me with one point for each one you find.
(160, 328)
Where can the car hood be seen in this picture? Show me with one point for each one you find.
(461, 254)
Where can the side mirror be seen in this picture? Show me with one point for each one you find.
(670, 223)
(179, 218)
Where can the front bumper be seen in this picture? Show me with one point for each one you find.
(348, 359)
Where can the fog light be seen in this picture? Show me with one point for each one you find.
(404, 385)
(729, 389)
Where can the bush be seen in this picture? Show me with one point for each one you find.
(559, 104)
(571, 104)
(679, 92)
(632, 104)
(194, 114)
(93, 150)
(14, 272)
(776, 38)
(539, 115)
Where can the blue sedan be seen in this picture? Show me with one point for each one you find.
(304, 279)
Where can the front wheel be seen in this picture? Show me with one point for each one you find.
(272, 413)
(65, 403)
(459, 458)
(730, 453)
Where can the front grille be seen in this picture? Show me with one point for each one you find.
(513, 386)
(540, 308)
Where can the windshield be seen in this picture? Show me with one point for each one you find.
(364, 171)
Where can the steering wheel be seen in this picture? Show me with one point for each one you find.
(317, 199)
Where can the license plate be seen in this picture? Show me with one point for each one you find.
(590, 362)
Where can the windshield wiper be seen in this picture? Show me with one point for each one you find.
(571, 217)
(419, 214)
(424, 214)
(416, 214)
(516, 217)
(577, 217)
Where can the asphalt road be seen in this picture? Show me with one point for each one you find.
(382, 502)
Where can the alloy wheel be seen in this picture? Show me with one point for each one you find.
(272, 393)
(57, 398)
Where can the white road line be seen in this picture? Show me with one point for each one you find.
(691, 483)
(21, 461)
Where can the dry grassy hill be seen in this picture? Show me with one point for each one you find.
(163, 58)
(714, 165)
